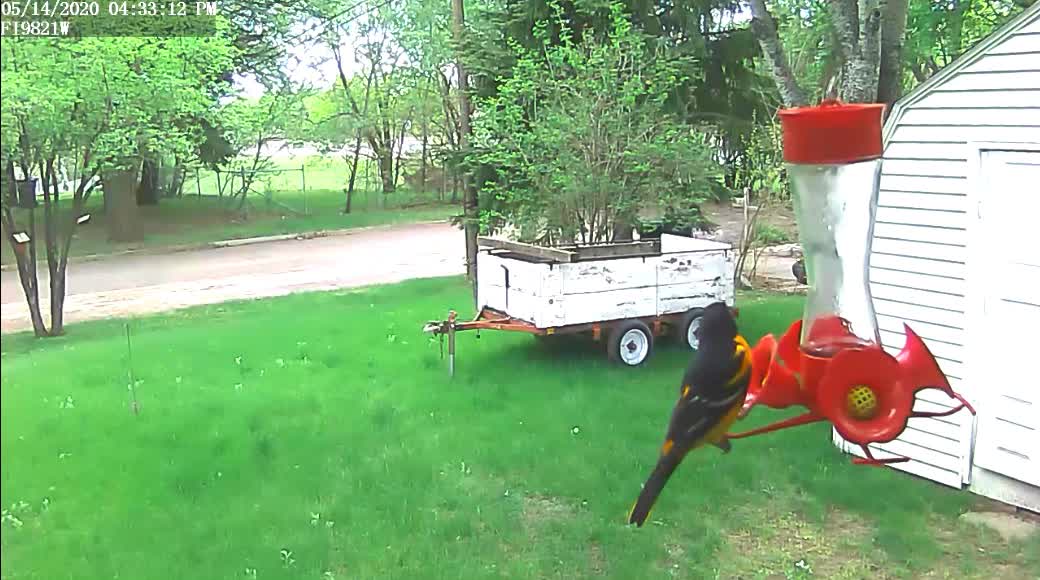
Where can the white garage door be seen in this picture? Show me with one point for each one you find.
(1006, 334)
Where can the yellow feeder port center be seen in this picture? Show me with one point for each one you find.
(862, 402)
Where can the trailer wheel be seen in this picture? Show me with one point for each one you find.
(689, 325)
(630, 342)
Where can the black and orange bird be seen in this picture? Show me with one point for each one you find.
(712, 393)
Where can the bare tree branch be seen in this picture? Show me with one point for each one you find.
(764, 28)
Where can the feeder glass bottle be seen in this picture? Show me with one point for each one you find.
(833, 159)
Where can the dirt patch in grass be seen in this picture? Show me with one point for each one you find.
(542, 509)
(597, 561)
(971, 551)
(675, 555)
(780, 286)
(543, 515)
(783, 544)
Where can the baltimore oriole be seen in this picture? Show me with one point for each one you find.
(712, 393)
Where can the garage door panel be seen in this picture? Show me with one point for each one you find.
(1008, 294)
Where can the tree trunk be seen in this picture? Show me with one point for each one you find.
(53, 233)
(66, 229)
(177, 183)
(58, 229)
(425, 151)
(25, 259)
(58, 278)
(386, 170)
(148, 189)
(859, 85)
(124, 223)
(51, 217)
(469, 196)
(10, 185)
(30, 286)
(368, 181)
(57, 283)
(54, 190)
(361, 113)
(955, 24)
(858, 39)
(397, 156)
(890, 70)
(353, 172)
(859, 35)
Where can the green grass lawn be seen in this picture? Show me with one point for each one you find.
(317, 436)
(193, 219)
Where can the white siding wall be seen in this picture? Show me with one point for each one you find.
(918, 272)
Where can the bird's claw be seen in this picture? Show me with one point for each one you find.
(724, 445)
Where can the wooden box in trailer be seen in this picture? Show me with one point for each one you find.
(588, 284)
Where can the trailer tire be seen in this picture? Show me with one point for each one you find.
(687, 327)
(630, 342)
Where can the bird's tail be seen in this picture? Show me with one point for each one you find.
(652, 489)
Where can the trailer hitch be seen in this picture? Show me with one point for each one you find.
(441, 328)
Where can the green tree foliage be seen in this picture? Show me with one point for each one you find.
(582, 137)
(375, 34)
(808, 52)
(761, 169)
(338, 118)
(112, 108)
(937, 32)
(809, 41)
(425, 36)
(251, 123)
(329, 124)
(261, 31)
(723, 88)
(77, 109)
(249, 128)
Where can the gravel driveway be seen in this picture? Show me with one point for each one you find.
(135, 284)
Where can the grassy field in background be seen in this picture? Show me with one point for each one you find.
(317, 436)
(279, 206)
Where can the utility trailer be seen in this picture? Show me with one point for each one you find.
(623, 294)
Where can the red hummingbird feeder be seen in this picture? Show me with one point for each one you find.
(831, 362)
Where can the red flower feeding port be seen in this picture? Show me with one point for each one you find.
(831, 362)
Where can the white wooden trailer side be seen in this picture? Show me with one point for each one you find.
(935, 257)
(688, 273)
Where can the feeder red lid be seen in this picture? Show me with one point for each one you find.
(833, 132)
